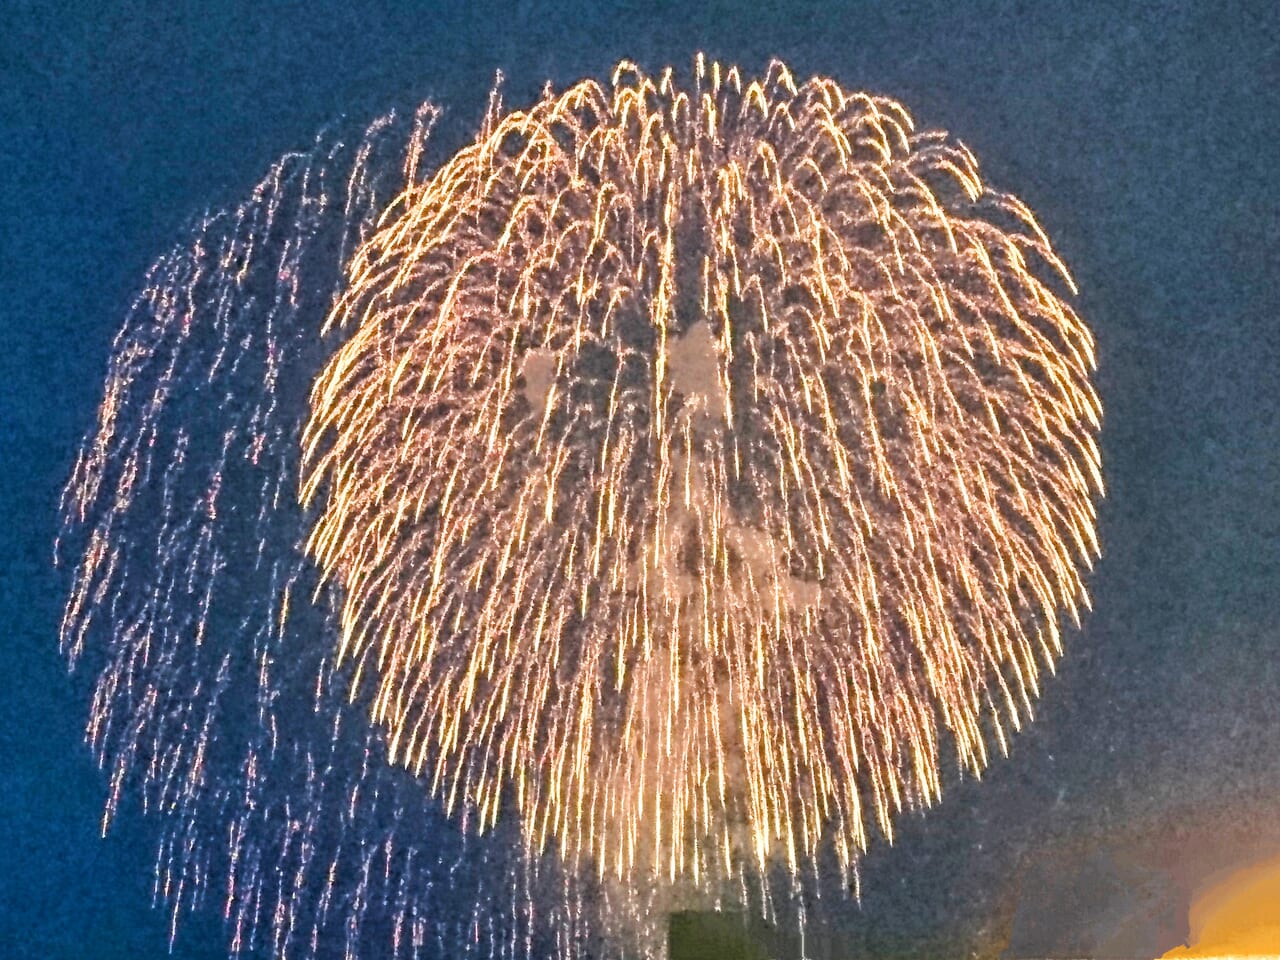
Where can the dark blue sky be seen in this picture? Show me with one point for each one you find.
(1143, 135)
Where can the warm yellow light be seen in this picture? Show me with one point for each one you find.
(1238, 916)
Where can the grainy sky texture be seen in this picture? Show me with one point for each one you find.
(1143, 137)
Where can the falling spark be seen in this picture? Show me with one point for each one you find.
(696, 464)
(686, 477)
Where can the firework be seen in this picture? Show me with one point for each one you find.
(217, 704)
(686, 474)
(694, 460)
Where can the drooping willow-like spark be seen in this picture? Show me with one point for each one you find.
(696, 465)
(217, 705)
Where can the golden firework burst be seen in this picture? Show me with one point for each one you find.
(697, 464)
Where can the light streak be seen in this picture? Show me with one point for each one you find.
(685, 476)
(744, 444)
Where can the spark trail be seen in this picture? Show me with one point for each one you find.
(696, 463)
(668, 485)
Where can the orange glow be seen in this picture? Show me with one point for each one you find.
(1238, 916)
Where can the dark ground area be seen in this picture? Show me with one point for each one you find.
(1143, 135)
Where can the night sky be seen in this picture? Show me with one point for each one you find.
(1143, 135)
